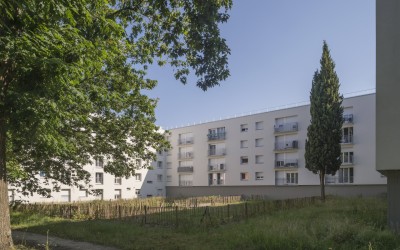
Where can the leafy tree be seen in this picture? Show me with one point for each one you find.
(71, 76)
(324, 133)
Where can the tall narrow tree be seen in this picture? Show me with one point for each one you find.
(325, 131)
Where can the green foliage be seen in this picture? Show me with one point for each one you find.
(324, 133)
(72, 75)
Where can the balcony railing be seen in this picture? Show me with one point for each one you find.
(216, 136)
(185, 183)
(286, 127)
(347, 139)
(185, 141)
(287, 145)
(287, 164)
(217, 167)
(348, 118)
(329, 180)
(186, 169)
(216, 152)
(186, 155)
(215, 182)
(284, 181)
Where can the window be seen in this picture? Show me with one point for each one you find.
(244, 144)
(259, 126)
(259, 142)
(259, 159)
(99, 162)
(244, 176)
(346, 175)
(292, 178)
(83, 193)
(347, 135)
(42, 174)
(137, 191)
(149, 182)
(169, 165)
(138, 163)
(259, 176)
(244, 128)
(347, 158)
(117, 180)
(159, 164)
(244, 160)
(98, 193)
(99, 178)
(117, 194)
(138, 177)
(159, 177)
(65, 195)
(169, 178)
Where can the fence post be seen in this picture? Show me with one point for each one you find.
(145, 214)
(176, 216)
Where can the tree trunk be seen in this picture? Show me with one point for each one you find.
(6, 241)
(322, 184)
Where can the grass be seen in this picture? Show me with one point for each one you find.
(357, 223)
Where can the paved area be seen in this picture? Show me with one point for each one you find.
(39, 241)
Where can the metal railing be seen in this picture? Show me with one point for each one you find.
(284, 181)
(185, 183)
(286, 127)
(338, 180)
(348, 118)
(186, 169)
(287, 145)
(216, 136)
(215, 182)
(218, 167)
(292, 163)
(216, 152)
(347, 139)
(186, 155)
(186, 141)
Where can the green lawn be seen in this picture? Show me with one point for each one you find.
(357, 223)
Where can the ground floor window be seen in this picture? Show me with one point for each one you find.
(346, 175)
(292, 178)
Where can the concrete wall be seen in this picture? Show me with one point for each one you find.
(279, 192)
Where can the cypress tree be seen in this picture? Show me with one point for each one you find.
(324, 133)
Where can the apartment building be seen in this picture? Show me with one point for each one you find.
(263, 154)
(259, 154)
(147, 182)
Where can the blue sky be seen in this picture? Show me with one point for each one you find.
(275, 46)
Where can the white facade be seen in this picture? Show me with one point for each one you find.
(146, 183)
(245, 153)
(267, 149)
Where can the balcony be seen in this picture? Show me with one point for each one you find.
(217, 152)
(293, 163)
(217, 167)
(347, 139)
(285, 182)
(284, 146)
(186, 141)
(185, 183)
(331, 180)
(186, 169)
(216, 136)
(286, 127)
(217, 182)
(185, 155)
(348, 119)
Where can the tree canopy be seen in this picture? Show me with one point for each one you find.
(324, 134)
(72, 75)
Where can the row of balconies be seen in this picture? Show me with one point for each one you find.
(279, 128)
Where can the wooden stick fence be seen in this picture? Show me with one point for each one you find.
(169, 214)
